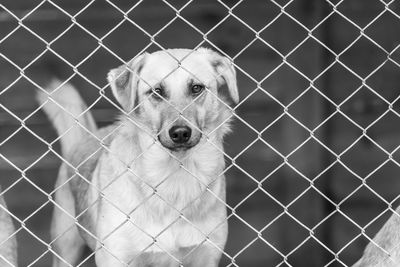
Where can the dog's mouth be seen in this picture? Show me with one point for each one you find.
(178, 147)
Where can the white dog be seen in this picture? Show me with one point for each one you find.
(153, 194)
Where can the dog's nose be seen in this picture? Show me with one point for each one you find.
(180, 134)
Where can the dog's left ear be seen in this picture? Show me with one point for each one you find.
(124, 81)
(226, 75)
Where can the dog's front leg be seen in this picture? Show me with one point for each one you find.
(113, 250)
(136, 259)
(206, 255)
(105, 258)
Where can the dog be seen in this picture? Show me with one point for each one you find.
(153, 194)
(8, 242)
(384, 249)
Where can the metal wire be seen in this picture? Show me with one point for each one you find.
(231, 160)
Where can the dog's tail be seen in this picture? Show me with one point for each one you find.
(67, 111)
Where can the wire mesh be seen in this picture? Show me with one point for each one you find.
(314, 138)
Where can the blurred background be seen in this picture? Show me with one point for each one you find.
(315, 142)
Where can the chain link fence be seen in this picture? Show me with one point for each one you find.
(312, 160)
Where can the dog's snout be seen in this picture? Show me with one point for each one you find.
(180, 134)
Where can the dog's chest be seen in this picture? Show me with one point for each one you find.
(174, 202)
(178, 211)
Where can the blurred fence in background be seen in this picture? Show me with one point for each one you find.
(316, 148)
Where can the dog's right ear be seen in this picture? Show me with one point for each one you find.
(226, 75)
(124, 81)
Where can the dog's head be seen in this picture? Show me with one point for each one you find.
(178, 94)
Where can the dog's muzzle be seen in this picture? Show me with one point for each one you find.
(179, 137)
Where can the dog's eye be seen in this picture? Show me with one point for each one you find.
(158, 92)
(197, 89)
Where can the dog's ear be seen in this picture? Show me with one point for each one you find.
(226, 76)
(124, 81)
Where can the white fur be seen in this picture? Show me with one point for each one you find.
(8, 242)
(384, 251)
(68, 113)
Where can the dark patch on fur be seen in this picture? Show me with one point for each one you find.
(223, 90)
(136, 99)
(123, 79)
(136, 107)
